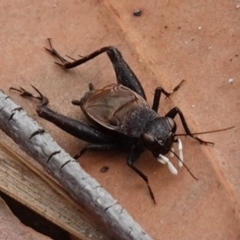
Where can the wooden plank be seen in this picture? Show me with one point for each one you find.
(37, 190)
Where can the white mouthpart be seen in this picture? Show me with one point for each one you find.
(180, 149)
(162, 159)
(171, 154)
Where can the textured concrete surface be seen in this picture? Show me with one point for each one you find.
(171, 41)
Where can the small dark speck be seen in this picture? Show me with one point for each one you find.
(179, 27)
(137, 13)
(166, 27)
(104, 169)
(236, 55)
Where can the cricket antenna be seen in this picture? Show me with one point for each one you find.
(199, 133)
(183, 164)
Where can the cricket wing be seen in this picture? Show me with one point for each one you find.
(112, 105)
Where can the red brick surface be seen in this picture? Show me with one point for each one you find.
(173, 40)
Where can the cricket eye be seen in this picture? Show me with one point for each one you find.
(148, 139)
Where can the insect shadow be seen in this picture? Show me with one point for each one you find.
(121, 116)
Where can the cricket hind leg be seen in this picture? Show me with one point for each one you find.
(98, 147)
(124, 74)
(55, 53)
(72, 126)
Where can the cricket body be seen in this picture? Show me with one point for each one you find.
(122, 110)
(121, 116)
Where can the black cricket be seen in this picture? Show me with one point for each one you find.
(120, 116)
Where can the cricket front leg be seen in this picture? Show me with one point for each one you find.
(172, 114)
(135, 152)
(158, 93)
